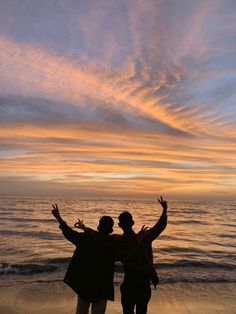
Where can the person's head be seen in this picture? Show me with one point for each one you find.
(105, 224)
(126, 221)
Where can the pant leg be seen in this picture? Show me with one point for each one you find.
(82, 306)
(99, 307)
(135, 295)
(127, 299)
(143, 299)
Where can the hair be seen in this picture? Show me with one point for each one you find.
(105, 224)
(126, 220)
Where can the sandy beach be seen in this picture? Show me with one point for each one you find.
(179, 298)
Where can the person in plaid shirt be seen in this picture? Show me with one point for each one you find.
(135, 252)
(137, 258)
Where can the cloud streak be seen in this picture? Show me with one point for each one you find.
(124, 98)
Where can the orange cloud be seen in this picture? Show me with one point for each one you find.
(31, 71)
(129, 134)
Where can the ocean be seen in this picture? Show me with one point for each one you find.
(198, 245)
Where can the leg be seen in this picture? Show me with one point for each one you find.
(99, 307)
(142, 303)
(127, 300)
(82, 306)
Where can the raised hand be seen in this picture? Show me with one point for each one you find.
(55, 211)
(142, 233)
(163, 204)
(144, 228)
(80, 224)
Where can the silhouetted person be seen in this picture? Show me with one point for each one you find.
(138, 262)
(135, 252)
(91, 270)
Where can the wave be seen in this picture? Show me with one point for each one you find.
(56, 264)
(174, 249)
(194, 264)
(30, 234)
(26, 269)
(11, 210)
(184, 210)
(20, 219)
(53, 270)
(231, 236)
(189, 221)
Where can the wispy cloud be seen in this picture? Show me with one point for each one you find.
(122, 95)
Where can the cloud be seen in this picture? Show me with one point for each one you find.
(119, 92)
(156, 84)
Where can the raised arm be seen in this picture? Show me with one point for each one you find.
(68, 233)
(161, 224)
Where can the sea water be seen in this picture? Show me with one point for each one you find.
(198, 245)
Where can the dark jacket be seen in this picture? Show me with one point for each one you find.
(91, 269)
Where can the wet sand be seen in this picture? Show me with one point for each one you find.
(178, 298)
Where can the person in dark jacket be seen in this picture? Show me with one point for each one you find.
(91, 270)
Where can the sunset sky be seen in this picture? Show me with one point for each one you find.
(118, 98)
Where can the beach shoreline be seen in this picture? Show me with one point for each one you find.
(174, 298)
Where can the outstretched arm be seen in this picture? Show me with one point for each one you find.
(68, 233)
(56, 213)
(161, 224)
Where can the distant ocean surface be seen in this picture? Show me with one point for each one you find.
(198, 245)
